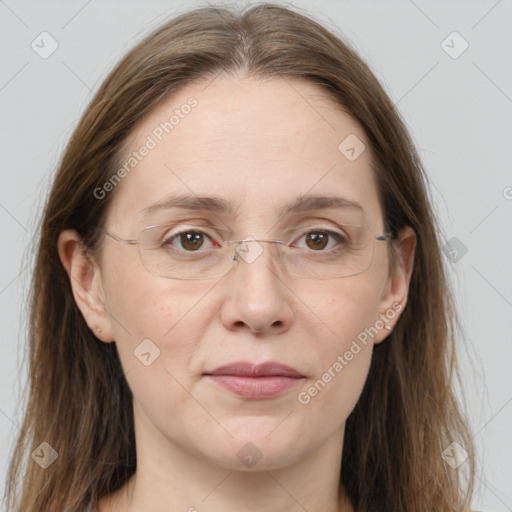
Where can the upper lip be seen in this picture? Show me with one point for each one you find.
(247, 369)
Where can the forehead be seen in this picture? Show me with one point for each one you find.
(257, 143)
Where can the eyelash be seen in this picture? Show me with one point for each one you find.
(338, 237)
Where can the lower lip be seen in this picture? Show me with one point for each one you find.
(255, 388)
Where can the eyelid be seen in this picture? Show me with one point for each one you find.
(334, 228)
(317, 223)
(315, 220)
(180, 227)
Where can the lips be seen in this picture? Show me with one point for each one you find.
(255, 382)
(246, 369)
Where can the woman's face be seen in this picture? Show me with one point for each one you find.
(258, 146)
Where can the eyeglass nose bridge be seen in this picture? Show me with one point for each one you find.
(249, 255)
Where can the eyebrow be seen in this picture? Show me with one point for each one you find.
(220, 206)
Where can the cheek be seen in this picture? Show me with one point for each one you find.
(334, 392)
(346, 307)
(157, 327)
(154, 315)
(349, 315)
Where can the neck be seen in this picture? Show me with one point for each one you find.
(175, 480)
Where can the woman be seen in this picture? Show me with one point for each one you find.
(239, 301)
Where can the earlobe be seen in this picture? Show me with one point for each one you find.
(85, 281)
(396, 292)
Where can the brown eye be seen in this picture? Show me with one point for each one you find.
(322, 240)
(317, 240)
(189, 241)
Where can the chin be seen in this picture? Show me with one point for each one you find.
(255, 450)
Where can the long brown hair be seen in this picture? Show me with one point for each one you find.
(79, 401)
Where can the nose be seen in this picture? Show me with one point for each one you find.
(257, 297)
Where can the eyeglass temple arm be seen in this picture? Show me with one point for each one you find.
(117, 238)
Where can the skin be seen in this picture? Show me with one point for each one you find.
(258, 144)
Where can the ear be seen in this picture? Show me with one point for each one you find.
(85, 279)
(394, 298)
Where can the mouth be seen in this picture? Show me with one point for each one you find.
(255, 382)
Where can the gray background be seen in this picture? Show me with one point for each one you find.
(459, 111)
